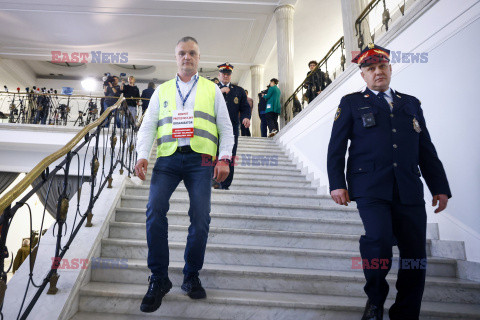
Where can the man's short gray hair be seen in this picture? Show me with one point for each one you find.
(186, 39)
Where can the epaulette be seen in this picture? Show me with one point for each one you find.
(353, 93)
(407, 96)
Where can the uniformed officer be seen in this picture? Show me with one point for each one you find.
(389, 140)
(237, 102)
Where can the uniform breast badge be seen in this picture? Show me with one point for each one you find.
(235, 100)
(416, 126)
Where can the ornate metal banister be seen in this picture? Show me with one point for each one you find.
(105, 158)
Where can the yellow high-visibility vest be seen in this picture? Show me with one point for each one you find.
(205, 139)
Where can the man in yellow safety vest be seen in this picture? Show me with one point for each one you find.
(189, 119)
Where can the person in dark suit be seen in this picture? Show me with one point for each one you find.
(389, 141)
(262, 106)
(237, 103)
(147, 94)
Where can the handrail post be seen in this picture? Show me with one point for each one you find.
(113, 142)
(95, 164)
(62, 210)
(7, 214)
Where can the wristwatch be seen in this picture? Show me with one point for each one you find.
(226, 160)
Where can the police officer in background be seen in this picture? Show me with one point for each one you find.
(236, 100)
(389, 141)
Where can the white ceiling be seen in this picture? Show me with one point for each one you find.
(237, 31)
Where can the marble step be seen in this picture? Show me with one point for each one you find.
(267, 177)
(256, 169)
(280, 170)
(114, 316)
(259, 222)
(122, 298)
(333, 212)
(249, 237)
(259, 162)
(323, 282)
(263, 256)
(245, 185)
(245, 195)
(254, 181)
(252, 221)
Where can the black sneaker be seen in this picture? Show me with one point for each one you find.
(193, 287)
(157, 289)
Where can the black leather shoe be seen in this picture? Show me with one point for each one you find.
(372, 312)
(157, 289)
(193, 287)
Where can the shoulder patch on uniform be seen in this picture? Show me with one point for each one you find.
(337, 114)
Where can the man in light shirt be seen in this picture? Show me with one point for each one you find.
(189, 119)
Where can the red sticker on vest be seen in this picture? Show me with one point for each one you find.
(182, 124)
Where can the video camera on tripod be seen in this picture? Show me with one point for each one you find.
(92, 107)
(108, 78)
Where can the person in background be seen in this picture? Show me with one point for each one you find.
(297, 106)
(147, 94)
(130, 90)
(262, 105)
(236, 100)
(315, 82)
(112, 91)
(273, 108)
(246, 131)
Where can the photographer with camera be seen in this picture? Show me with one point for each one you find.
(130, 90)
(112, 91)
(43, 106)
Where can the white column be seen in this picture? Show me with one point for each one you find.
(284, 20)
(351, 9)
(257, 72)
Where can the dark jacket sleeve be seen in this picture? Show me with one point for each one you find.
(341, 132)
(270, 92)
(430, 165)
(244, 106)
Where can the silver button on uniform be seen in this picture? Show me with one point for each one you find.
(395, 164)
(394, 130)
(395, 146)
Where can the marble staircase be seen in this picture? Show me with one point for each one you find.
(276, 250)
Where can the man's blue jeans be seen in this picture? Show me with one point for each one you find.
(167, 174)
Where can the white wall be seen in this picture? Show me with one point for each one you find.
(446, 85)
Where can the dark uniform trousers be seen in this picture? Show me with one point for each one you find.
(387, 147)
(236, 101)
(387, 222)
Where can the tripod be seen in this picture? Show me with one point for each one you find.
(79, 119)
(22, 115)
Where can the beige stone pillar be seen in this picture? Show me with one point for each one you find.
(284, 20)
(257, 73)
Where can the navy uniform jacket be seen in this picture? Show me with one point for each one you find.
(237, 102)
(389, 150)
